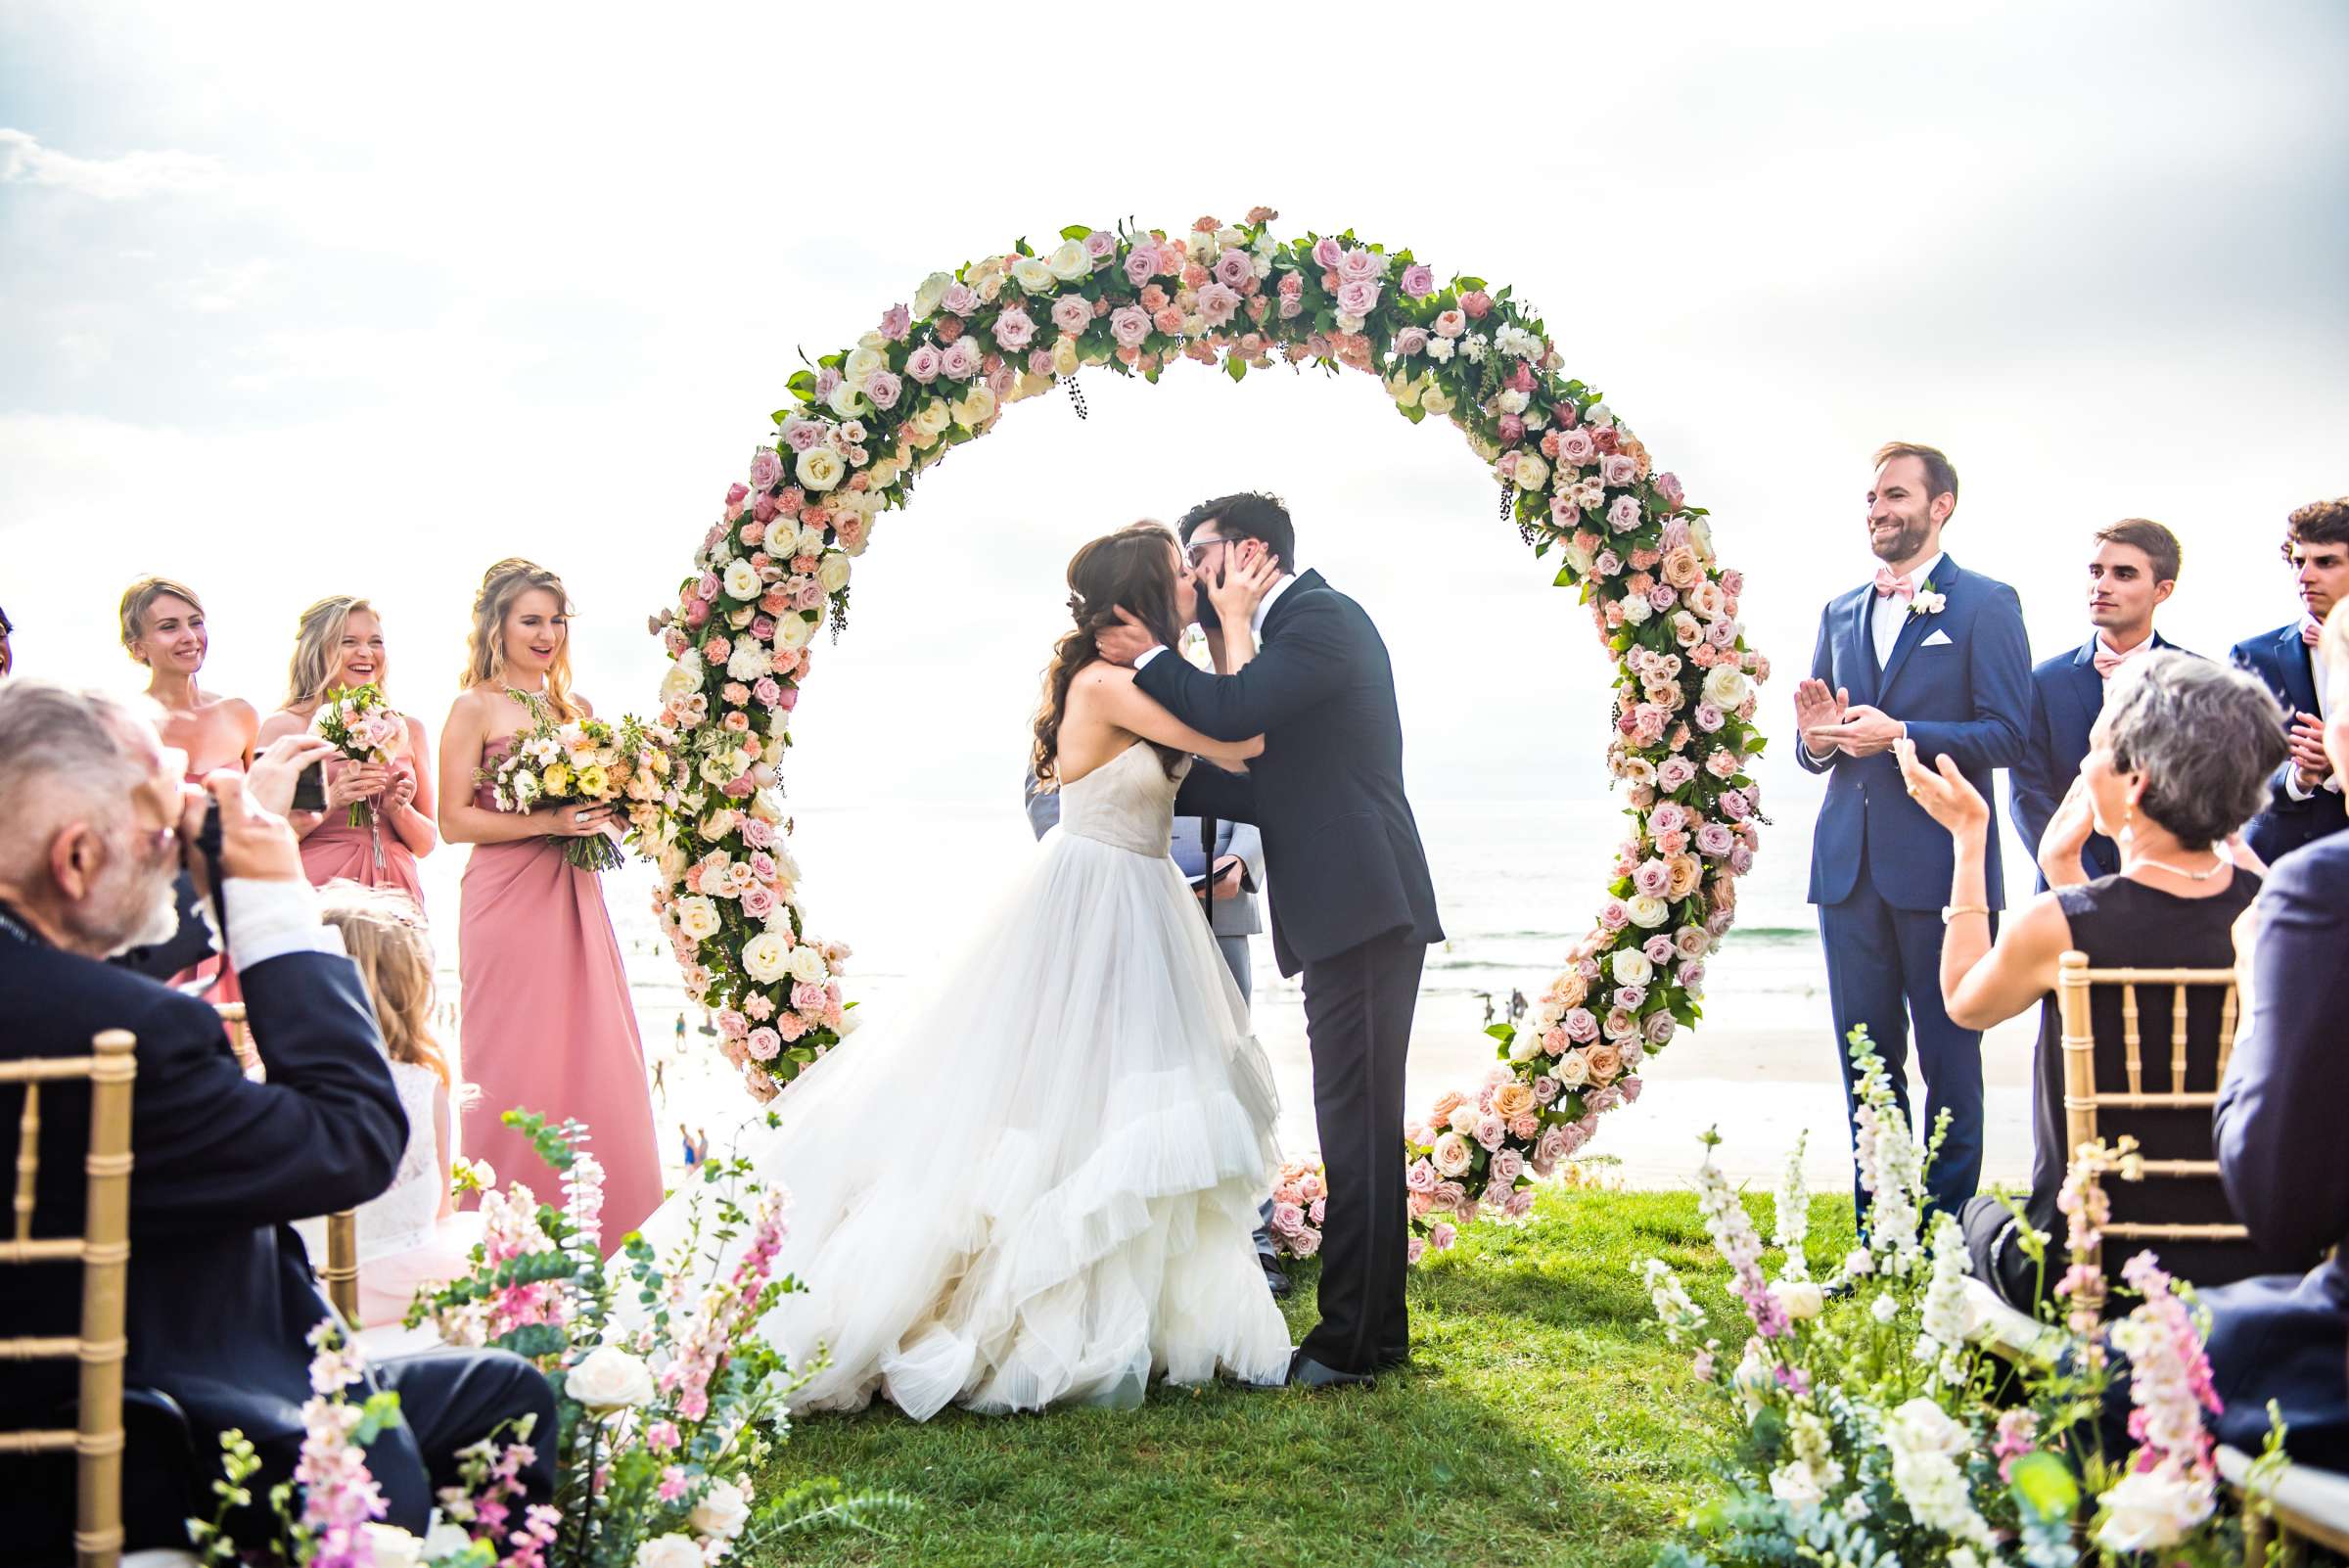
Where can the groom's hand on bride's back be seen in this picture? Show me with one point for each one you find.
(1124, 642)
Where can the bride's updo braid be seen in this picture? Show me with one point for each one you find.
(1133, 567)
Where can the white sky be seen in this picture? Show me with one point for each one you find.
(296, 301)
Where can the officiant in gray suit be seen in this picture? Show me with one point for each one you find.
(1235, 913)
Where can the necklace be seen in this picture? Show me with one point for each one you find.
(2181, 871)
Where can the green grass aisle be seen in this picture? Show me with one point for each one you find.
(1545, 1421)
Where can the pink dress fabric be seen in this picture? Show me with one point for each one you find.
(548, 1025)
(337, 850)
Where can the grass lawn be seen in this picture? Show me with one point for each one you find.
(1544, 1421)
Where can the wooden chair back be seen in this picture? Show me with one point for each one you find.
(103, 1250)
(2084, 1096)
(340, 1275)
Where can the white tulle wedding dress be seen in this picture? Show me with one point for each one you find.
(1037, 1186)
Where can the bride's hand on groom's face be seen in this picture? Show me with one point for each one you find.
(1124, 642)
(1236, 593)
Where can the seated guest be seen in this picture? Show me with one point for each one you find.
(2304, 800)
(2286, 1338)
(410, 1236)
(2177, 761)
(221, 1299)
(2135, 567)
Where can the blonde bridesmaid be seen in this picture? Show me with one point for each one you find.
(164, 630)
(547, 1024)
(340, 642)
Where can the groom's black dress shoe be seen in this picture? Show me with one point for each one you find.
(1306, 1373)
(1274, 1280)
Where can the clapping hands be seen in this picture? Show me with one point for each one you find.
(1947, 795)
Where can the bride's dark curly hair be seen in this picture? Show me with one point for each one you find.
(1133, 567)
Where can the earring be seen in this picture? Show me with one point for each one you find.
(2128, 825)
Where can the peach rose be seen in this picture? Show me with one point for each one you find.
(1606, 1062)
(1512, 1100)
(1686, 872)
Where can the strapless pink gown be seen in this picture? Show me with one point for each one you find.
(337, 850)
(548, 1025)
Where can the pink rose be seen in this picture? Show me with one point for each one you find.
(1580, 1024)
(1716, 840)
(895, 322)
(1327, 251)
(1420, 1176)
(1015, 328)
(731, 1024)
(1143, 263)
(1618, 469)
(1450, 323)
(1072, 313)
(1657, 948)
(1478, 304)
(883, 387)
(1129, 325)
(1575, 449)
(1419, 280)
(1652, 878)
(1233, 268)
(765, 1044)
(1622, 513)
(1410, 341)
(962, 360)
(1442, 1234)
(1506, 1167)
(1217, 305)
(1414, 1250)
(1357, 298)
(765, 469)
(1100, 244)
(960, 299)
(757, 901)
(1614, 914)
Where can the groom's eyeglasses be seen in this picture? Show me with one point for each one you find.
(1197, 553)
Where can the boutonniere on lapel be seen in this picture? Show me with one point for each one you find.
(1927, 602)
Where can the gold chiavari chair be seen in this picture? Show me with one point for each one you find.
(340, 1275)
(2298, 1507)
(2084, 1097)
(103, 1250)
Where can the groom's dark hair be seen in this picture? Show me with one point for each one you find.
(1248, 514)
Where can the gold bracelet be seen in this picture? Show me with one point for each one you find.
(1950, 912)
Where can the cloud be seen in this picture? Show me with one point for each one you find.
(23, 161)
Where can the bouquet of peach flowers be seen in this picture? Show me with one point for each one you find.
(366, 729)
(591, 762)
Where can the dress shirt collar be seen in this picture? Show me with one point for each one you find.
(1263, 606)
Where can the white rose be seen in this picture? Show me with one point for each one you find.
(766, 805)
(765, 958)
(1649, 911)
(933, 417)
(722, 1511)
(1532, 472)
(1800, 1298)
(1436, 400)
(1631, 967)
(1033, 275)
(934, 289)
(684, 677)
(668, 1551)
(673, 863)
(810, 540)
(1637, 610)
(445, 1540)
(1573, 1070)
(2149, 1509)
(1510, 402)
(1070, 260)
(1578, 558)
(820, 468)
(1701, 534)
(609, 1379)
(696, 917)
(832, 571)
(807, 966)
(717, 824)
(793, 632)
(847, 399)
(742, 581)
(974, 407)
(849, 1022)
(394, 1548)
(860, 365)
(1525, 1045)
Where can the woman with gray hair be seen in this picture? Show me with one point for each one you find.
(2176, 762)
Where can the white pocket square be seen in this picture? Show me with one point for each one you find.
(1939, 639)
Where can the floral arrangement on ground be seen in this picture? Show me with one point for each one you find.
(1872, 1428)
(867, 421)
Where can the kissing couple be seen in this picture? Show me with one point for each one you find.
(1038, 1186)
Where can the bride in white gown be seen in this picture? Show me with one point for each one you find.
(1038, 1186)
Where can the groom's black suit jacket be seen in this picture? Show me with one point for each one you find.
(1341, 848)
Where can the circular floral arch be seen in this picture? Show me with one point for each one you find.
(1577, 483)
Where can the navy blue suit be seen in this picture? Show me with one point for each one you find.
(2066, 696)
(2278, 1131)
(2281, 660)
(1880, 866)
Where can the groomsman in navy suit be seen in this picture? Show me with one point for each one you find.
(2134, 570)
(1935, 654)
(2305, 796)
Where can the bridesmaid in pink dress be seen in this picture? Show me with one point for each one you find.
(340, 642)
(164, 630)
(547, 1024)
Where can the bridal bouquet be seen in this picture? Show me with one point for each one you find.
(588, 761)
(365, 729)
(1872, 1430)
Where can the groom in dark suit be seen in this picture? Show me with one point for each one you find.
(1353, 907)
(1936, 655)
(2134, 570)
(2305, 798)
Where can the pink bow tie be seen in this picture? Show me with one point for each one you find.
(2311, 630)
(1887, 584)
(2106, 661)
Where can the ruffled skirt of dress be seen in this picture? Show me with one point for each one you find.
(1038, 1184)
